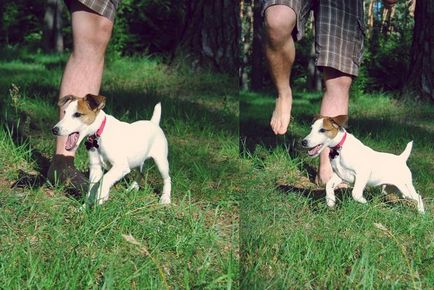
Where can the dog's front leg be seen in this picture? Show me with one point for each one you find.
(95, 173)
(111, 177)
(334, 181)
(360, 184)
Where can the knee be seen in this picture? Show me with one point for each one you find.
(103, 33)
(92, 41)
(279, 24)
(336, 80)
(342, 83)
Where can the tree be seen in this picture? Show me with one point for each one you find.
(211, 33)
(52, 33)
(421, 72)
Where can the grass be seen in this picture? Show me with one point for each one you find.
(290, 239)
(131, 242)
(245, 211)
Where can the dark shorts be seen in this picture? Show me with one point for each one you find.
(106, 8)
(339, 30)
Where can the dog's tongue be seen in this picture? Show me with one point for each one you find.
(314, 150)
(72, 141)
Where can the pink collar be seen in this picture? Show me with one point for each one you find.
(101, 128)
(334, 150)
(92, 140)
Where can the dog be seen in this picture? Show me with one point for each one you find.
(355, 163)
(113, 145)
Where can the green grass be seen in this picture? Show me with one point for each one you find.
(249, 221)
(131, 242)
(290, 239)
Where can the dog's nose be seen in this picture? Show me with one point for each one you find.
(55, 130)
(304, 143)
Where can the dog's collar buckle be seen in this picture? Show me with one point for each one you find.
(92, 140)
(334, 151)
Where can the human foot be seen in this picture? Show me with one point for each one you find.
(62, 171)
(281, 114)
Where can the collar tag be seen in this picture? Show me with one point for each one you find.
(334, 151)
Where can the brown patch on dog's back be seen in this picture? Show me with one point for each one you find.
(331, 128)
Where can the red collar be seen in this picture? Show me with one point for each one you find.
(334, 150)
(92, 140)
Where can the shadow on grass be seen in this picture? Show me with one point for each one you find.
(314, 195)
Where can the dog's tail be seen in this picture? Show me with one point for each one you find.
(404, 155)
(156, 116)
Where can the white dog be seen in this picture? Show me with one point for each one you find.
(356, 163)
(117, 146)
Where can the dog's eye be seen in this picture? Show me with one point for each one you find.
(77, 115)
(322, 130)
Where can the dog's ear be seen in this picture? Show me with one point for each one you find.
(317, 117)
(95, 102)
(340, 121)
(65, 99)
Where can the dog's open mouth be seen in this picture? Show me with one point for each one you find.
(71, 142)
(314, 150)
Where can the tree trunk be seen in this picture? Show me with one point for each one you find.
(314, 80)
(258, 67)
(370, 16)
(388, 14)
(246, 42)
(212, 32)
(52, 34)
(421, 72)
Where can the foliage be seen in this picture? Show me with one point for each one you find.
(141, 25)
(387, 54)
(148, 26)
(21, 21)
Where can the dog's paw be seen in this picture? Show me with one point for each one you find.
(165, 199)
(331, 203)
(360, 199)
(133, 187)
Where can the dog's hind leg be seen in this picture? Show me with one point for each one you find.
(359, 186)
(163, 167)
(408, 191)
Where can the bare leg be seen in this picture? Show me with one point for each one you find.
(82, 75)
(334, 103)
(83, 72)
(280, 20)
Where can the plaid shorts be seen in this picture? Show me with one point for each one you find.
(339, 30)
(106, 8)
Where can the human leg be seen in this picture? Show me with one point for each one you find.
(334, 103)
(82, 75)
(280, 21)
(339, 45)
